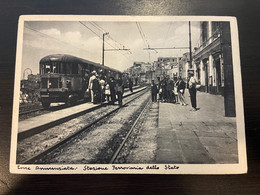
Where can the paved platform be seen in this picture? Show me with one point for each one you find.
(203, 136)
(46, 119)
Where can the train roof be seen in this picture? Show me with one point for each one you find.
(71, 59)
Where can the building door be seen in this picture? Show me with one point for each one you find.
(205, 64)
(198, 72)
(218, 75)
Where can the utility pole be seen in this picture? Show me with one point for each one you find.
(103, 48)
(190, 46)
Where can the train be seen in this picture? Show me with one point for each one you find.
(64, 78)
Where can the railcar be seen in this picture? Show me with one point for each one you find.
(64, 78)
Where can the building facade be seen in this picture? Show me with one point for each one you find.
(208, 58)
(212, 62)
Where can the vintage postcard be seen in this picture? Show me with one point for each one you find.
(127, 95)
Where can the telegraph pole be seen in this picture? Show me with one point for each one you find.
(103, 48)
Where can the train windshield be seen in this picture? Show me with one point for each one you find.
(59, 67)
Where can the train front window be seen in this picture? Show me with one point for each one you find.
(60, 68)
(50, 68)
(71, 68)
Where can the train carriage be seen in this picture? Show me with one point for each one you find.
(64, 78)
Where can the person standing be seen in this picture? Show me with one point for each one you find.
(130, 82)
(193, 91)
(154, 91)
(120, 90)
(112, 86)
(170, 90)
(102, 83)
(180, 90)
(96, 88)
(90, 85)
(163, 90)
(107, 92)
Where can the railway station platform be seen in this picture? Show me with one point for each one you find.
(191, 137)
(39, 123)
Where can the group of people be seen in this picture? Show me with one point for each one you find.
(173, 91)
(103, 89)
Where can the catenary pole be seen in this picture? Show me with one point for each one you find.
(190, 45)
(103, 48)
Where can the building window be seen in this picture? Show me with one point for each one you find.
(204, 33)
(215, 27)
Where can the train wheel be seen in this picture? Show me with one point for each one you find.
(46, 104)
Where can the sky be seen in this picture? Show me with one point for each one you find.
(84, 39)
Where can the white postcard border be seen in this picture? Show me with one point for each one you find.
(239, 168)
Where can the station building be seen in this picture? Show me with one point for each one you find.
(208, 58)
(212, 62)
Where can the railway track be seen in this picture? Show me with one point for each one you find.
(30, 111)
(38, 127)
(51, 148)
(117, 152)
(51, 109)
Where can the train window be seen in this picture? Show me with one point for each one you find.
(62, 68)
(74, 69)
(47, 68)
(91, 68)
(80, 69)
(54, 68)
(69, 68)
(58, 67)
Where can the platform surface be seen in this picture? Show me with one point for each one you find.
(203, 136)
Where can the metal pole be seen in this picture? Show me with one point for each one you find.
(103, 48)
(190, 45)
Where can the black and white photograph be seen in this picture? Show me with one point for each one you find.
(128, 94)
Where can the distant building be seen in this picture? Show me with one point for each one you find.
(184, 66)
(167, 66)
(141, 72)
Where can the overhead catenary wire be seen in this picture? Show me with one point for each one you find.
(116, 49)
(98, 27)
(166, 36)
(48, 36)
(144, 39)
(102, 29)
